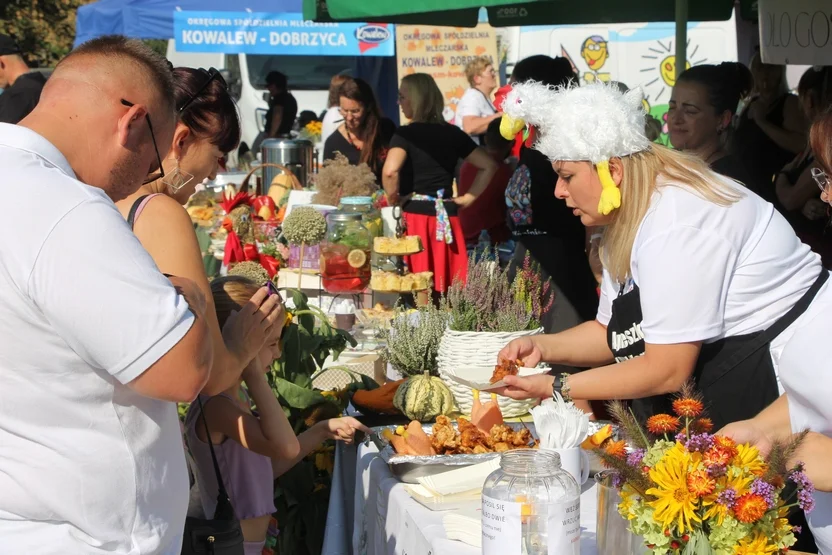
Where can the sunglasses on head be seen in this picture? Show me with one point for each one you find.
(820, 178)
(161, 172)
(210, 75)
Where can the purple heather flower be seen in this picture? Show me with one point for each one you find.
(797, 529)
(764, 490)
(636, 457)
(798, 476)
(618, 480)
(717, 471)
(805, 501)
(681, 437)
(699, 442)
(727, 498)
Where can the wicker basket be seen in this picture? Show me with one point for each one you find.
(368, 363)
(461, 349)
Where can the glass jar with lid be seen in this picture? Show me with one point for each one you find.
(531, 506)
(371, 216)
(345, 254)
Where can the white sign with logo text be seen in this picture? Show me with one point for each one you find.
(796, 32)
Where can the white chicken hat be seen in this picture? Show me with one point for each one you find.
(592, 123)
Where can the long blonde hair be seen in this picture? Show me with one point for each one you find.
(425, 98)
(230, 293)
(641, 173)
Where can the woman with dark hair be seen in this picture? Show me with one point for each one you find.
(701, 111)
(207, 129)
(772, 128)
(797, 193)
(365, 134)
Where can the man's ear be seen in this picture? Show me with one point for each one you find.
(132, 127)
(616, 171)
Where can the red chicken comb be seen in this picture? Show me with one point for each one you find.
(229, 204)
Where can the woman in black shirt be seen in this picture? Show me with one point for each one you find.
(419, 174)
(364, 136)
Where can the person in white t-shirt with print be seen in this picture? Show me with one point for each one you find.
(702, 279)
(97, 344)
(474, 111)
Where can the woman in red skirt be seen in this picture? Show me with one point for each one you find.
(419, 174)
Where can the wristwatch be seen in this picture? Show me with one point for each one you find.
(561, 385)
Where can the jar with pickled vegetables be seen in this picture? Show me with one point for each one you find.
(345, 254)
(531, 506)
(370, 215)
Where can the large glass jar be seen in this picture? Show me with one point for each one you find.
(370, 215)
(531, 506)
(345, 254)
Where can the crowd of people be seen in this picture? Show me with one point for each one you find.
(707, 259)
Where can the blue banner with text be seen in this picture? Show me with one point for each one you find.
(279, 34)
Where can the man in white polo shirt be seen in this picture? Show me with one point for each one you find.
(96, 343)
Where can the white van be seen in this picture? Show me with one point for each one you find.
(308, 78)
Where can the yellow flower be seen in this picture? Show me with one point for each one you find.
(673, 500)
(748, 458)
(734, 480)
(756, 545)
(625, 508)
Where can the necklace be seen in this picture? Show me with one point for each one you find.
(351, 140)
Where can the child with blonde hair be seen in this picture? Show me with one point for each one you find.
(252, 448)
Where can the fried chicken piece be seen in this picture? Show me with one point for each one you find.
(444, 438)
(501, 446)
(501, 433)
(479, 449)
(521, 438)
(505, 368)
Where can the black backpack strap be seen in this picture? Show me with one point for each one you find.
(223, 502)
(131, 216)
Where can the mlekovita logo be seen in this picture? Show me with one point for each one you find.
(373, 34)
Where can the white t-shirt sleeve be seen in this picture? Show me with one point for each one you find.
(103, 295)
(683, 274)
(609, 291)
(472, 103)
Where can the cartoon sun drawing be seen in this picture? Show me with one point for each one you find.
(663, 60)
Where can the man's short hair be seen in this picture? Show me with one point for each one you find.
(475, 67)
(157, 68)
(277, 79)
(8, 46)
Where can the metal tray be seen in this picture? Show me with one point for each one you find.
(409, 469)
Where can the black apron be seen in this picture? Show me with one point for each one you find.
(735, 374)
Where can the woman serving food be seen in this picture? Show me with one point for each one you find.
(701, 279)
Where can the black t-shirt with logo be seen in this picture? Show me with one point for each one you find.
(20, 99)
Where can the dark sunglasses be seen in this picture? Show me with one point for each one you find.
(211, 74)
(161, 173)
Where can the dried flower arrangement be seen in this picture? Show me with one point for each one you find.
(488, 301)
(304, 226)
(338, 178)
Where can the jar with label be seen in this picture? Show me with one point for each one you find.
(345, 254)
(531, 506)
(370, 215)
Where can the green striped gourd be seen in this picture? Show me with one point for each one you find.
(423, 398)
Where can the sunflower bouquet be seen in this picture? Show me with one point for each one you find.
(687, 491)
(312, 131)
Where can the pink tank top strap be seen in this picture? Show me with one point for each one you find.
(142, 205)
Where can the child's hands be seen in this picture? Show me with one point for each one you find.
(342, 429)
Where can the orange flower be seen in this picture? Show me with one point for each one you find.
(687, 407)
(702, 425)
(617, 449)
(726, 443)
(750, 508)
(717, 456)
(662, 424)
(700, 483)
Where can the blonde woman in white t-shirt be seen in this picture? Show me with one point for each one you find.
(475, 111)
(701, 278)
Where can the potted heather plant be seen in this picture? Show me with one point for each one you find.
(487, 311)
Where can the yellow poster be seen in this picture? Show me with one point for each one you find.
(443, 52)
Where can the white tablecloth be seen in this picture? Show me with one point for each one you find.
(369, 501)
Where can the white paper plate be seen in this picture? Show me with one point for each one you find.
(479, 377)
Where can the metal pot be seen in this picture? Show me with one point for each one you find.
(296, 154)
(613, 535)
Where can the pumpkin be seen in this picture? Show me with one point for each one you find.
(423, 398)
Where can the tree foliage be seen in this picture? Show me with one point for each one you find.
(44, 29)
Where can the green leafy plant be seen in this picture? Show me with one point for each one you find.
(302, 493)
